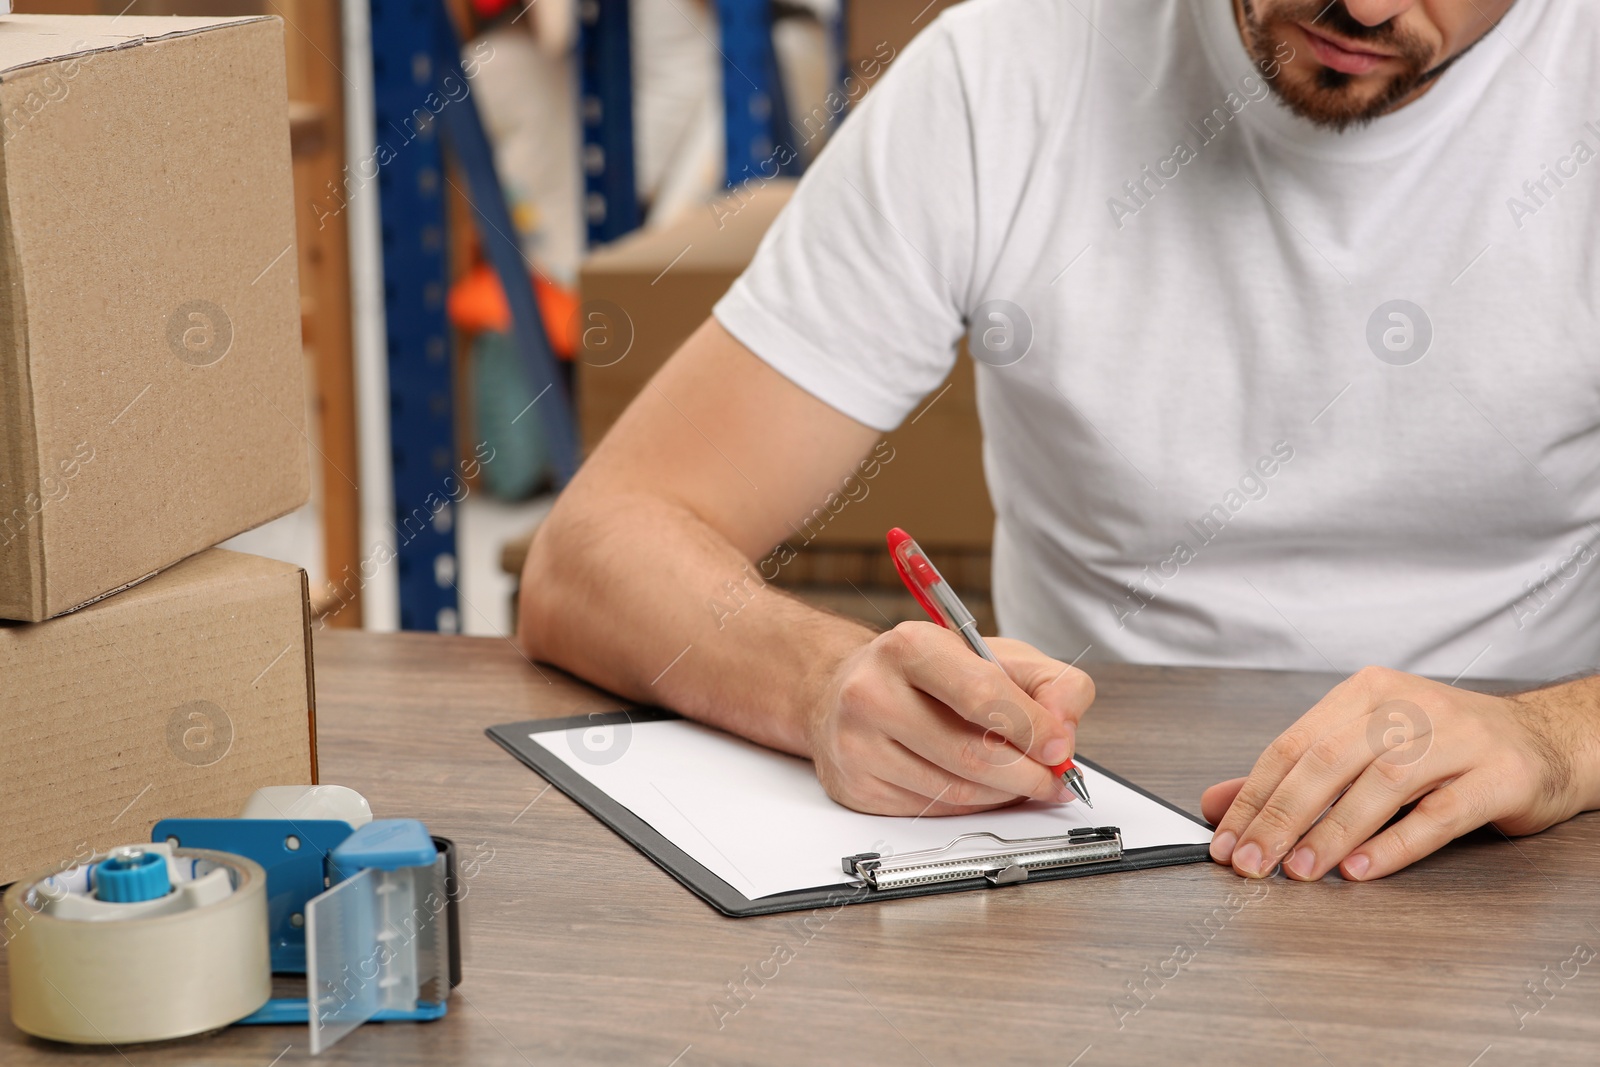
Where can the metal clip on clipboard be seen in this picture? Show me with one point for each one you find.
(1090, 844)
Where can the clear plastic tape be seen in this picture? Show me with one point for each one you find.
(140, 979)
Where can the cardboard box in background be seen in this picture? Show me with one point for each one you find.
(178, 697)
(871, 24)
(152, 398)
(933, 486)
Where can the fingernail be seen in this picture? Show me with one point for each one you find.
(1301, 863)
(1056, 751)
(1064, 794)
(1222, 846)
(1355, 866)
(1248, 859)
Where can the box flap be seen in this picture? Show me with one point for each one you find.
(26, 40)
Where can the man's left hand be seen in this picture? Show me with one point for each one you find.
(1383, 739)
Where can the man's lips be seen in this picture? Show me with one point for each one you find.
(1345, 58)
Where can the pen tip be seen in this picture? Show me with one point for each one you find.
(1076, 783)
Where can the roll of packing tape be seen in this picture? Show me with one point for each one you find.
(99, 971)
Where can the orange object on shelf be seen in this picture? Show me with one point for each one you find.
(477, 302)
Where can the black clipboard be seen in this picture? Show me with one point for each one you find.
(513, 737)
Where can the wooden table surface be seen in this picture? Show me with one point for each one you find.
(582, 951)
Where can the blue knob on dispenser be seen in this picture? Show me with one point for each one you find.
(131, 875)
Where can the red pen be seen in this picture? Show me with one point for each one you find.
(946, 609)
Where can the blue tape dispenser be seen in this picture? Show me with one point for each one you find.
(305, 881)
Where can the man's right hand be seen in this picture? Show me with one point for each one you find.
(645, 580)
(914, 723)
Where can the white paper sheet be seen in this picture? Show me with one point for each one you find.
(761, 822)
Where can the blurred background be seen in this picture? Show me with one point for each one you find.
(509, 214)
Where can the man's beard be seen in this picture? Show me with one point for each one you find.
(1329, 97)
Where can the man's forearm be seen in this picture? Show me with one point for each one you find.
(639, 595)
(1571, 714)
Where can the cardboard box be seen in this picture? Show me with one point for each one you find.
(934, 484)
(876, 28)
(152, 395)
(179, 697)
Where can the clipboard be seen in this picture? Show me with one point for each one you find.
(1100, 857)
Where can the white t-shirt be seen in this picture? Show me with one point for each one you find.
(1225, 444)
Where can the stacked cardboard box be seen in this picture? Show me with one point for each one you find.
(151, 406)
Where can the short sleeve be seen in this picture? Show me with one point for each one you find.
(856, 293)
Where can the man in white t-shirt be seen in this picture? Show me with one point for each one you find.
(1285, 319)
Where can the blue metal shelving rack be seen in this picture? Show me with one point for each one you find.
(757, 120)
(752, 94)
(415, 276)
(415, 48)
(605, 61)
(415, 51)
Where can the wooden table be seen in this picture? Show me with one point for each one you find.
(581, 951)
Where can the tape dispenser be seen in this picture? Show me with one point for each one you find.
(183, 935)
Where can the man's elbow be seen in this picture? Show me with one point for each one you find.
(540, 592)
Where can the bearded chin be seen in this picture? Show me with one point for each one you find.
(1327, 97)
